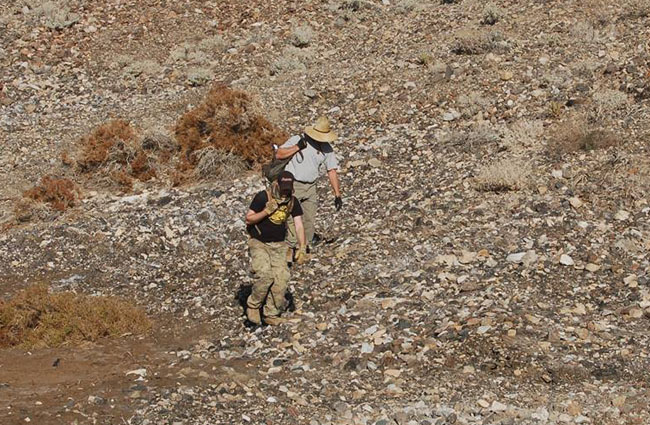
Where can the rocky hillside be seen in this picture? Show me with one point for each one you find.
(489, 266)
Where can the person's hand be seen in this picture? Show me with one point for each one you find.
(338, 203)
(301, 256)
(302, 144)
(271, 206)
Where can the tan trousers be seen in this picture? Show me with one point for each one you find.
(308, 197)
(269, 261)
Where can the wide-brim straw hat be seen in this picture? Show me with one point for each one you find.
(321, 131)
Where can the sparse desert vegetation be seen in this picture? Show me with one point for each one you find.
(37, 318)
(489, 264)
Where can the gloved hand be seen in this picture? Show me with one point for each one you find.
(302, 143)
(301, 255)
(338, 203)
(271, 206)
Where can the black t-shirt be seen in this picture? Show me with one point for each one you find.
(273, 228)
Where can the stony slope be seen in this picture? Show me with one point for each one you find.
(485, 268)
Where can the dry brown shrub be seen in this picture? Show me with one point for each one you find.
(222, 136)
(114, 150)
(59, 193)
(230, 121)
(577, 135)
(101, 144)
(37, 318)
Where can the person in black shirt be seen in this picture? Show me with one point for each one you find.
(266, 224)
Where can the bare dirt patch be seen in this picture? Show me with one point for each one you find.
(92, 383)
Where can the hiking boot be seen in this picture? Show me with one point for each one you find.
(316, 239)
(253, 315)
(274, 320)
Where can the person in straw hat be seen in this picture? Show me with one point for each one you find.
(310, 154)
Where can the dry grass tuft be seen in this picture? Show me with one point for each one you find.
(470, 42)
(211, 162)
(503, 176)
(37, 318)
(229, 121)
(576, 135)
(59, 193)
(157, 140)
(26, 209)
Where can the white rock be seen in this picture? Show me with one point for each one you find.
(140, 372)
(367, 347)
(530, 258)
(622, 215)
(498, 407)
(374, 162)
(566, 260)
(482, 329)
(575, 202)
(631, 281)
(516, 257)
(451, 115)
(541, 414)
(371, 330)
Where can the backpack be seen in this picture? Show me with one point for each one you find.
(272, 170)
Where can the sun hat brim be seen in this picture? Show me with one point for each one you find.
(319, 136)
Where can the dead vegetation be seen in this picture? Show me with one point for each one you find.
(502, 176)
(228, 121)
(222, 137)
(211, 162)
(59, 193)
(37, 318)
(115, 151)
(472, 42)
(578, 135)
(219, 138)
(26, 209)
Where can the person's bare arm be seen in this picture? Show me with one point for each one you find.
(253, 217)
(300, 231)
(334, 182)
(283, 153)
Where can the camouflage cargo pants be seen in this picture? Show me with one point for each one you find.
(308, 197)
(269, 261)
